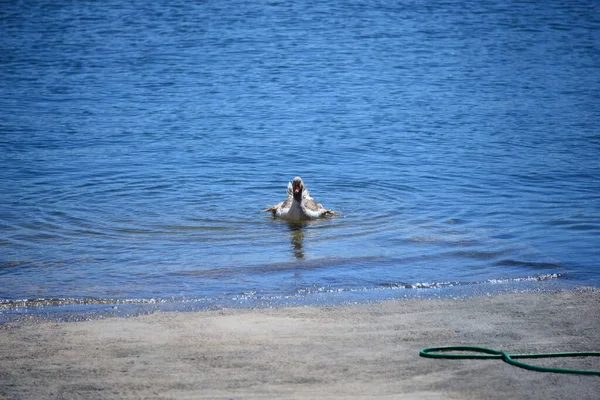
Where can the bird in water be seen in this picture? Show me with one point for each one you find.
(298, 206)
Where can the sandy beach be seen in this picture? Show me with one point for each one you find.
(350, 351)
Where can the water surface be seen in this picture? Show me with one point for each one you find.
(139, 142)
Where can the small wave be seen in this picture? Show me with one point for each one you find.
(41, 302)
(302, 292)
(435, 285)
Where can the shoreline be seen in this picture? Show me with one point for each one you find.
(82, 309)
(360, 351)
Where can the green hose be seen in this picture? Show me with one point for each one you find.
(430, 352)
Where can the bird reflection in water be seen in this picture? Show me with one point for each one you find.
(297, 238)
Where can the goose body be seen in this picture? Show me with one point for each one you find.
(298, 206)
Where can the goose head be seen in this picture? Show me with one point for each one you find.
(298, 188)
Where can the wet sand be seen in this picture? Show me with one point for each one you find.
(350, 351)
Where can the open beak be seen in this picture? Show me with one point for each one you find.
(297, 188)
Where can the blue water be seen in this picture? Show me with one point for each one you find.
(139, 142)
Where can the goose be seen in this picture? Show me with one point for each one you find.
(298, 206)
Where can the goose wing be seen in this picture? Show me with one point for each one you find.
(311, 204)
(286, 203)
(316, 208)
(283, 205)
(273, 208)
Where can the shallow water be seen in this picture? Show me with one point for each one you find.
(140, 141)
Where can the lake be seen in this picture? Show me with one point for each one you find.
(139, 142)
